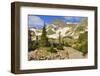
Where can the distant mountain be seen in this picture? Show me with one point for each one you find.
(67, 30)
(51, 29)
(77, 29)
(59, 23)
(37, 26)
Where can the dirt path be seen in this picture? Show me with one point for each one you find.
(73, 54)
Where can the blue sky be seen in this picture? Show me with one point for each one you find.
(37, 21)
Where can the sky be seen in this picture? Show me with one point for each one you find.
(37, 21)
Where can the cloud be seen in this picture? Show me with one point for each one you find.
(73, 19)
(35, 21)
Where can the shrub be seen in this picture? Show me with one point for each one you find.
(32, 46)
(78, 47)
(60, 47)
(84, 47)
(82, 44)
(66, 44)
(51, 49)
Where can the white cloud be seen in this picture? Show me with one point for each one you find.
(73, 19)
(35, 21)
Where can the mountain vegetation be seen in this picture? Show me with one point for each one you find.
(57, 40)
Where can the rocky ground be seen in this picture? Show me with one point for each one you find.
(43, 54)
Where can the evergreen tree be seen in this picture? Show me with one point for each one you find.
(59, 38)
(44, 38)
(29, 36)
(60, 46)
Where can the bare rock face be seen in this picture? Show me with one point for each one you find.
(67, 53)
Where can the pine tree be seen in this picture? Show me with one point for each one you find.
(59, 38)
(44, 38)
(60, 47)
(29, 36)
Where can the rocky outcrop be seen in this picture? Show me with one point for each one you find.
(67, 53)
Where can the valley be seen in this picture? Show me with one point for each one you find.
(58, 40)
